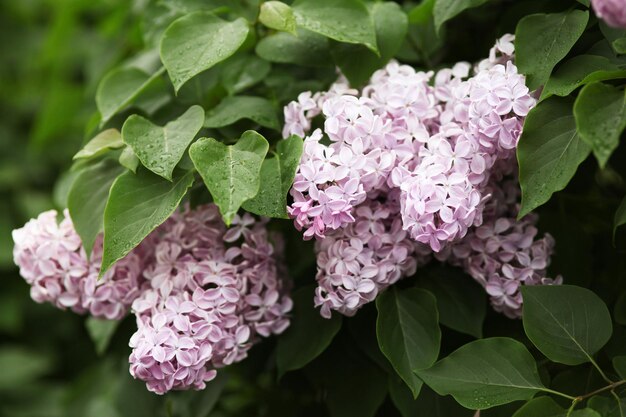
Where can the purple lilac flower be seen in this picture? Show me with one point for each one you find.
(212, 292)
(53, 261)
(613, 12)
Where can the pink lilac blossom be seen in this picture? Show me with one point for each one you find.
(613, 12)
(53, 261)
(422, 150)
(211, 293)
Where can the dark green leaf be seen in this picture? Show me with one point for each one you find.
(308, 335)
(540, 407)
(568, 324)
(342, 20)
(21, 366)
(244, 71)
(600, 112)
(578, 71)
(138, 204)
(307, 49)
(88, 197)
(160, 148)
(447, 9)
(619, 45)
(278, 15)
(119, 88)
(542, 40)
(277, 175)
(231, 173)
(619, 363)
(100, 144)
(486, 373)
(357, 62)
(461, 302)
(408, 331)
(101, 331)
(427, 404)
(549, 152)
(235, 108)
(198, 41)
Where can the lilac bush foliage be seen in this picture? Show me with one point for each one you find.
(414, 165)
(202, 293)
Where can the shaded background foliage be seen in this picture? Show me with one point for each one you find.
(53, 55)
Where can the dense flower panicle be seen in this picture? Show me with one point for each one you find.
(613, 12)
(53, 261)
(358, 261)
(418, 155)
(211, 293)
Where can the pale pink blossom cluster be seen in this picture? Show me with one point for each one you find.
(211, 293)
(53, 261)
(202, 293)
(415, 154)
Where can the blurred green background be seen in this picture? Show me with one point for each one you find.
(52, 55)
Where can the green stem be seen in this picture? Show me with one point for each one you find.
(571, 408)
(619, 403)
(600, 371)
(560, 394)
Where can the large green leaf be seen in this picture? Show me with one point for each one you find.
(581, 70)
(542, 40)
(277, 175)
(101, 332)
(600, 112)
(461, 302)
(408, 332)
(307, 49)
(342, 20)
(119, 88)
(357, 62)
(549, 152)
(278, 15)
(427, 404)
(235, 108)
(198, 41)
(88, 197)
(308, 335)
(568, 324)
(138, 204)
(486, 373)
(231, 173)
(160, 148)
(100, 144)
(447, 9)
(21, 366)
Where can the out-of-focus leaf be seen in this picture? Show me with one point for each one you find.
(235, 108)
(21, 366)
(307, 49)
(101, 331)
(300, 344)
(278, 15)
(244, 71)
(447, 9)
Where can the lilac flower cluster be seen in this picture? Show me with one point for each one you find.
(211, 293)
(613, 12)
(406, 168)
(202, 293)
(53, 261)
